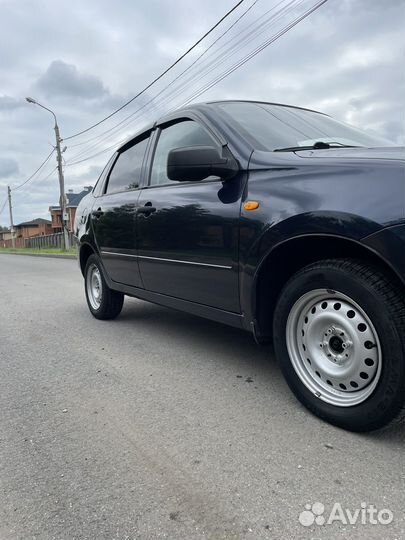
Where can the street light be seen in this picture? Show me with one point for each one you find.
(60, 172)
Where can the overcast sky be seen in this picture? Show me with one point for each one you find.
(84, 59)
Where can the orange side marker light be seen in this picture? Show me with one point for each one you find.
(251, 205)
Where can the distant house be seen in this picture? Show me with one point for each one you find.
(35, 227)
(25, 230)
(73, 200)
(4, 236)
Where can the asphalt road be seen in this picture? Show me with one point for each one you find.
(164, 425)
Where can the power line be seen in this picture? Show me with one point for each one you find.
(235, 66)
(50, 174)
(173, 81)
(126, 121)
(227, 72)
(3, 207)
(36, 172)
(30, 178)
(258, 29)
(92, 156)
(159, 76)
(256, 51)
(26, 193)
(221, 58)
(180, 88)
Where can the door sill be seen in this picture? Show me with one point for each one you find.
(215, 314)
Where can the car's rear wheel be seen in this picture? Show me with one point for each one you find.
(339, 335)
(104, 303)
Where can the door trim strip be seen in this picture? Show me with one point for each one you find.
(167, 260)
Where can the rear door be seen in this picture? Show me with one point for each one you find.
(188, 232)
(114, 214)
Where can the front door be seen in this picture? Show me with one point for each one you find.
(188, 232)
(114, 215)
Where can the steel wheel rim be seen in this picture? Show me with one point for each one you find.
(94, 286)
(334, 347)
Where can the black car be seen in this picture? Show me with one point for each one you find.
(274, 219)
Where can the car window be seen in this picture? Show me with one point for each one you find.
(186, 133)
(272, 127)
(98, 188)
(126, 173)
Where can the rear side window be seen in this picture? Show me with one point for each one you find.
(126, 173)
(99, 187)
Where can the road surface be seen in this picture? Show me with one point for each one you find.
(164, 425)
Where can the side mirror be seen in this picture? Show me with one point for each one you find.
(193, 163)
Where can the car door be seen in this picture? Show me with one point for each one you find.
(114, 214)
(188, 232)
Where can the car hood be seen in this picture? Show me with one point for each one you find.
(395, 153)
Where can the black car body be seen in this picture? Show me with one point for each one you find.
(194, 245)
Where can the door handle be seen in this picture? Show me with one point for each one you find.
(97, 213)
(146, 209)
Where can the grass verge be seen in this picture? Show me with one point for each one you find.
(46, 251)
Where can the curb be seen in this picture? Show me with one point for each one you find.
(45, 255)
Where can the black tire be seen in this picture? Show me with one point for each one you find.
(383, 300)
(111, 301)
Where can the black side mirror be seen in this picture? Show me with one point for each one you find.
(193, 163)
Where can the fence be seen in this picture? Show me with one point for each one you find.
(48, 240)
(19, 243)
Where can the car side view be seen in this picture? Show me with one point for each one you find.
(274, 219)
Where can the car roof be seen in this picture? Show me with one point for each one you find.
(261, 103)
(201, 106)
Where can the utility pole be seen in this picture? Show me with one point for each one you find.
(10, 207)
(64, 216)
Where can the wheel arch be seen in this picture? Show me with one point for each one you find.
(85, 251)
(289, 256)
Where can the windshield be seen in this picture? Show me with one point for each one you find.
(275, 127)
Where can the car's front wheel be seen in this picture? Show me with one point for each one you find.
(339, 335)
(104, 303)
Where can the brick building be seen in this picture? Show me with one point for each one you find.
(4, 237)
(72, 202)
(25, 230)
(35, 227)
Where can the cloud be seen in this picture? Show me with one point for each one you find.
(346, 59)
(8, 103)
(8, 167)
(61, 79)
